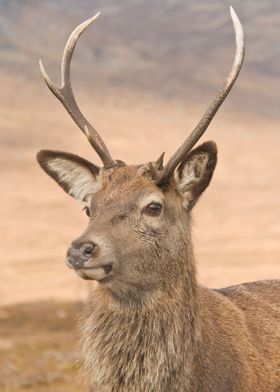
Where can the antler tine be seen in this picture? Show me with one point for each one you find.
(214, 106)
(66, 96)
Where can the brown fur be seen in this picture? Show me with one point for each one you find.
(209, 341)
(149, 326)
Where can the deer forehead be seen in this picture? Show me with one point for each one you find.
(125, 186)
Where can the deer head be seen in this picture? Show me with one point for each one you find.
(138, 235)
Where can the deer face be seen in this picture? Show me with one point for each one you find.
(138, 232)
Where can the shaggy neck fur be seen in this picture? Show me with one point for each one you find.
(148, 346)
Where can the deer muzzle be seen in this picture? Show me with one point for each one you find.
(81, 258)
(78, 257)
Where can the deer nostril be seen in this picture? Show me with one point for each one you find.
(87, 250)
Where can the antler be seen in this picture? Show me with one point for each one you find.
(66, 97)
(214, 106)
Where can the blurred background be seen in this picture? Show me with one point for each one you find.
(143, 74)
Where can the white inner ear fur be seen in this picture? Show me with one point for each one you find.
(191, 175)
(78, 178)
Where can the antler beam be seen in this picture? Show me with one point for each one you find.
(199, 130)
(66, 96)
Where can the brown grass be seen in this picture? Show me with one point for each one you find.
(38, 348)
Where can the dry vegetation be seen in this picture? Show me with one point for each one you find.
(38, 349)
(144, 84)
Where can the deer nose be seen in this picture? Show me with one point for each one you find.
(77, 255)
(87, 250)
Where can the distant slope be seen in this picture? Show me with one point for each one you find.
(166, 47)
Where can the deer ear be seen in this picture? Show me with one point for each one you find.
(195, 172)
(77, 176)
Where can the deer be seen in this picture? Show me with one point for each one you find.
(149, 326)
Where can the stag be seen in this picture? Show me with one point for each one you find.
(149, 326)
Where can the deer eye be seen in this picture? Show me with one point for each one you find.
(87, 211)
(152, 209)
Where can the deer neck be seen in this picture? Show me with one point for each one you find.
(142, 346)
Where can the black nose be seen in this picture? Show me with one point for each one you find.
(78, 255)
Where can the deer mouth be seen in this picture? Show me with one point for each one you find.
(98, 272)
